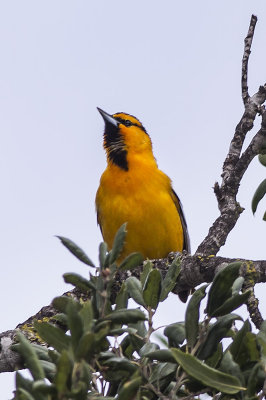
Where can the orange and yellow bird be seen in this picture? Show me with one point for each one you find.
(134, 190)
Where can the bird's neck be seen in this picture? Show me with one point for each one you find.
(139, 161)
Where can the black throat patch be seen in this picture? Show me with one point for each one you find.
(115, 146)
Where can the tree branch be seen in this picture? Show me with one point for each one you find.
(248, 43)
(235, 165)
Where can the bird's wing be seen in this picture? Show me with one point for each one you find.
(179, 207)
(99, 219)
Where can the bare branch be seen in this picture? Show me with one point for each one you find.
(233, 170)
(248, 43)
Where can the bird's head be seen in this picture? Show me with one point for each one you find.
(124, 136)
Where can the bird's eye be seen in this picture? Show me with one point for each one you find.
(127, 122)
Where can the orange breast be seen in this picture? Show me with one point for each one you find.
(142, 198)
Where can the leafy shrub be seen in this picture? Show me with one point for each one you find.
(101, 349)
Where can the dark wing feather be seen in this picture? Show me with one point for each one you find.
(179, 208)
(99, 220)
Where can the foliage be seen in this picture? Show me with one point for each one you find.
(107, 351)
(261, 189)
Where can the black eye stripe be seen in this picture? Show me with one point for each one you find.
(128, 123)
(141, 127)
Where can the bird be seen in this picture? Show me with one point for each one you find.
(134, 190)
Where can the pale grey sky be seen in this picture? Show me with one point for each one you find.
(175, 65)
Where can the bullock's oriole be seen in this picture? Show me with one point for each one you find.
(132, 189)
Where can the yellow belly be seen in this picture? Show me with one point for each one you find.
(145, 203)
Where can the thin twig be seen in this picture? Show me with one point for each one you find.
(156, 391)
(150, 323)
(247, 51)
(179, 383)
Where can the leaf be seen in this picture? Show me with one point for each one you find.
(101, 342)
(258, 195)
(29, 355)
(176, 334)
(78, 281)
(102, 254)
(81, 376)
(87, 316)
(132, 261)
(98, 300)
(215, 334)
(118, 243)
(244, 347)
(235, 346)
(232, 304)
(192, 316)
(41, 351)
(86, 345)
(139, 339)
(152, 289)
(121, 300)
(120, 331)
(54, 355)
(170, 278)
(59, 319)
(262, 159)
(237, 285)
(63, 370)
(101, 324)
(135, 290)
(22, 382)
(75, 325)
(76, 250)
(25, 394)
(49, 369)
(95, 397)
(119, 363)
(216, 357)
(229, 366)
(125, 316)
(147, 348)
(134, 341)
(208, 376)
(256, 375)
(221, 288)
(163, 355)
(52, 335)
(129, 389)
(163, 373)
(40, 388)
(147, 268)
(61, 303)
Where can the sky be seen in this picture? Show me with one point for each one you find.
(176, 66)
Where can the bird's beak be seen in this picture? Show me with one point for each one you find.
(108, 119)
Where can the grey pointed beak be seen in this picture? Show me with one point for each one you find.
(108, 118)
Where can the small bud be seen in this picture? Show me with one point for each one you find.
(106, 272)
